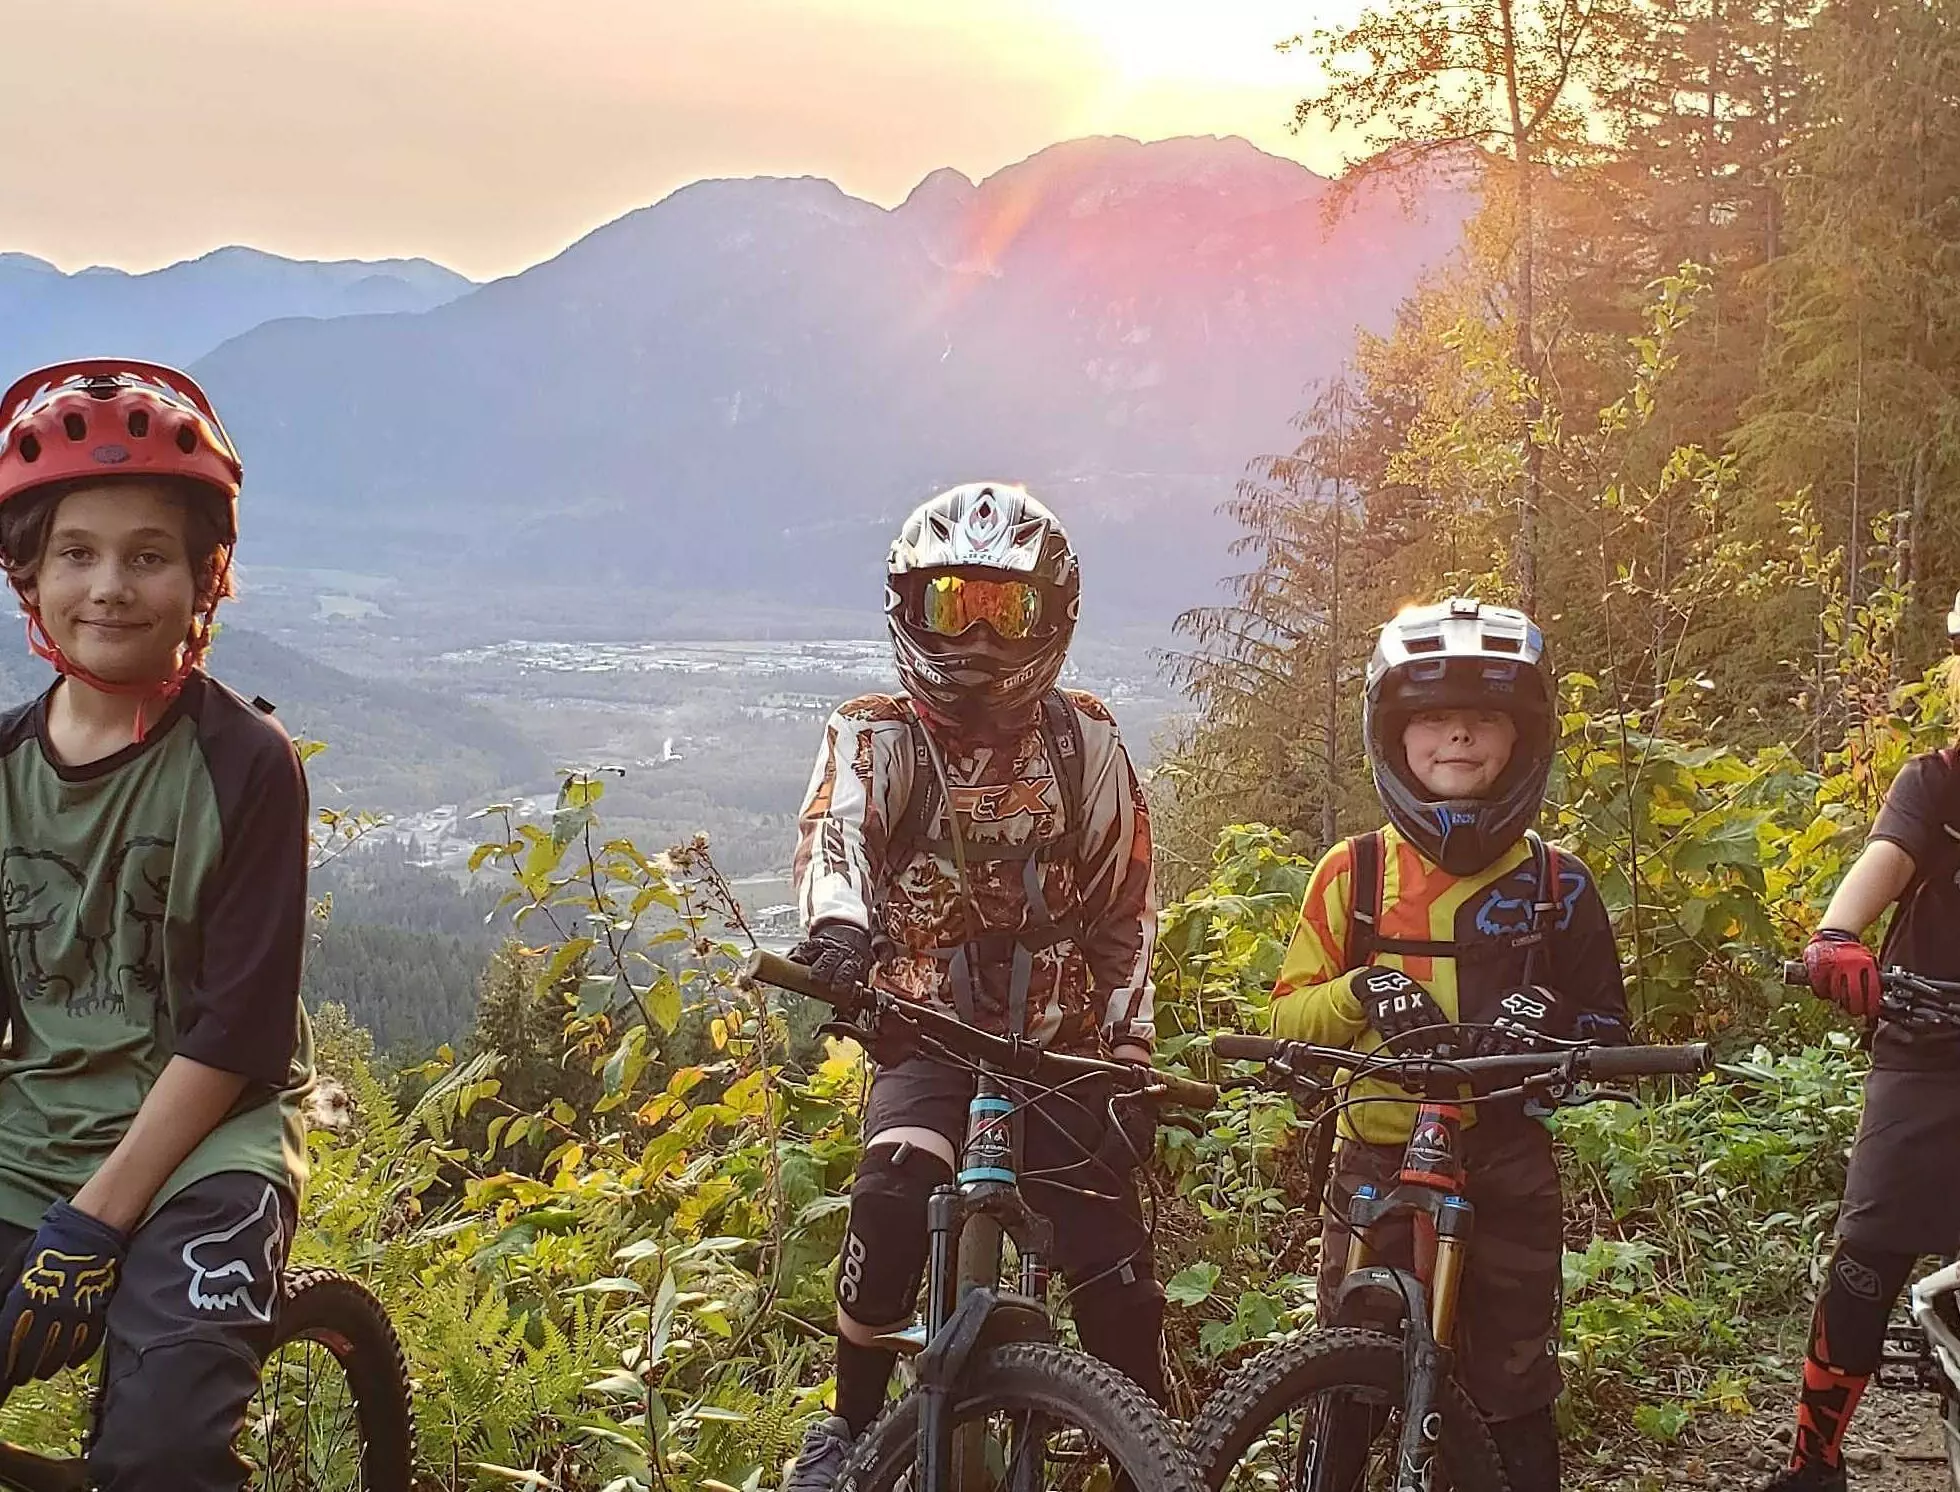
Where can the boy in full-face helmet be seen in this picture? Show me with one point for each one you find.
(1455, 911)
(979, 843)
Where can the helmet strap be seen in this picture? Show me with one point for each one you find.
(190, 654)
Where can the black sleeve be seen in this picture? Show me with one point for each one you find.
(241, 1012)
(1586, 960)
(1913, 816)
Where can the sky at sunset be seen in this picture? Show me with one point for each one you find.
(489, 134)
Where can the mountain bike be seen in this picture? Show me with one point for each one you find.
(332, 1413)
(998, 1405)
(1368, 1400)
(1923, 1352)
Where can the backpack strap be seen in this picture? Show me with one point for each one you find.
(922, 804)
(1061, 731)
(1544, 911)
(1366, 890)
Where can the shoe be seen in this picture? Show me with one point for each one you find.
(1811, 1478)
(826, 1444)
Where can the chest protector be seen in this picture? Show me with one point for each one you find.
(1369, 864)
(1041, 926)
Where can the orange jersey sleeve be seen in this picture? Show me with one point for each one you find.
(1312, 1001)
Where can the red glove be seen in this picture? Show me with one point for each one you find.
(1843, 971)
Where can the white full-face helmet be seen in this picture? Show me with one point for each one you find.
(981, 593)
(1461, 654)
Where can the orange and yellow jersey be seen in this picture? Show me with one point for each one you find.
(1483, 916)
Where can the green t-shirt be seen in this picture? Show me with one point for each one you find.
(153, 904)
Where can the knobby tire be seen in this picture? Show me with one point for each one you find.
(1284, 1378)
(1064, 1386)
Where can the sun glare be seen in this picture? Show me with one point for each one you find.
(1196, 41)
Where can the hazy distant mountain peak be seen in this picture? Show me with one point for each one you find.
(181, 312)
(737, 388)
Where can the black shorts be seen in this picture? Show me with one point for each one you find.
(1097, 1219)
(1902, 1194)
(1507, 1319)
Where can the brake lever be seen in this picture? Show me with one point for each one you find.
(1598, 1095)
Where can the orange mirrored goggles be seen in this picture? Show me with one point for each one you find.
(950, 604)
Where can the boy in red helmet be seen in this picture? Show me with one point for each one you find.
(153, 853)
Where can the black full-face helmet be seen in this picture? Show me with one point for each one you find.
(981, 594)
(1461, 654)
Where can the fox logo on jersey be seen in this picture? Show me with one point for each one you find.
(993, 805)
(238, 1268)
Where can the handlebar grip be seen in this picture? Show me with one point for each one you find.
(1236, 1046)
(1796, 973)
(1649, 1061)
(772, 968)
(1187, 1093)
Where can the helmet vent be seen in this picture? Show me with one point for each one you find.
(1502, 644)
(186, 439)
(76, 426)
(1429, 644)
(139, 423)
(30, 448)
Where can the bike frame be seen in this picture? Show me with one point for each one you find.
(1429, 1190)
(966, 1223)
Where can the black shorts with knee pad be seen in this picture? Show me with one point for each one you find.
(883, 1256)
(1097, 1218)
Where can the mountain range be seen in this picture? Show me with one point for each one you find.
(177, 314)
(741, 388)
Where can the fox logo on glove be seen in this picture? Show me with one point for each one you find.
(1522, 1005)
(56, 1276)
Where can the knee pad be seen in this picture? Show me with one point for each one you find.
(1528, 1446)
(884, 1251)
(1120, 1318)
(1847, 1331)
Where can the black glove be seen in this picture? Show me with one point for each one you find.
(53, 1317)
(1598, 1026)
(1524, 1015)
(838, 954)
(1395, 1004)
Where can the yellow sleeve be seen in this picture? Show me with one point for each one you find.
(1312, 1000)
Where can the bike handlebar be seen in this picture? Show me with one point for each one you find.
(1479, 1072)
(1017, 1058)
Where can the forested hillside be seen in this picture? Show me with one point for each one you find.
(1690, 395)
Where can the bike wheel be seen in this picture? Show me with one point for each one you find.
(1324, 1414)
(332, 1410)
(1047, 1416)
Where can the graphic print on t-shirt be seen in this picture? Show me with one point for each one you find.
(88, 948)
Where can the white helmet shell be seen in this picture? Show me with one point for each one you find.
(986, 525)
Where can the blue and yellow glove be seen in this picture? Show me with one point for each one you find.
(53, 1318)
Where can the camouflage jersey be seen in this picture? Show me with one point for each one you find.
(153, 905)
(1085, 993)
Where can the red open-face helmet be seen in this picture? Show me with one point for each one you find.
(104, 418)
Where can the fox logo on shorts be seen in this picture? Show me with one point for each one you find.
(238, 1268)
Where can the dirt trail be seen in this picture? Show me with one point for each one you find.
(1894, 1446)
